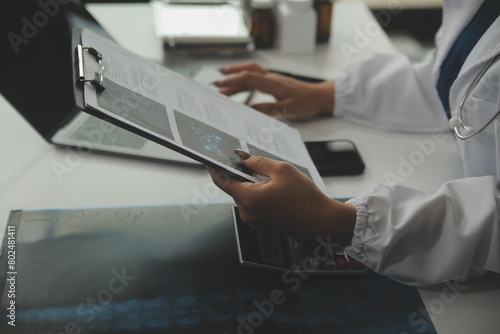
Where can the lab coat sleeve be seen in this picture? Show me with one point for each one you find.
(421, 238)
(388, 92)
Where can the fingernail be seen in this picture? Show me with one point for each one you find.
(215, 83)
(242, 154)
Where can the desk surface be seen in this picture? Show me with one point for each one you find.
(28, 180)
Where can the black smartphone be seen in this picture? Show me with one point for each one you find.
(336, 157)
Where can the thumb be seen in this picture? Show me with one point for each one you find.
(259, 165)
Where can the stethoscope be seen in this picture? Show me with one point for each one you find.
(457, 123)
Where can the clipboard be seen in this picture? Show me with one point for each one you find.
(206, 136)
(79, 80)
(76, 43)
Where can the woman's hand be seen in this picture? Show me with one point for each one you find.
(295, 100)
(288, 203)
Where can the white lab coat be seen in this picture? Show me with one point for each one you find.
(421, 237)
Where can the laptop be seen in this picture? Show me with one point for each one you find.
(37, 80)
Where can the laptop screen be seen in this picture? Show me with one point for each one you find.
(36, 70)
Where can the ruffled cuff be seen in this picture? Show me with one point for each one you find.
(343, 93)
(362, 230)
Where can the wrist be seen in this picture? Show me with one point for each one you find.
(339, 220)
(324, 97)
(345, 223)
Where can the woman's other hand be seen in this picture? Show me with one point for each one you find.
(295, 100)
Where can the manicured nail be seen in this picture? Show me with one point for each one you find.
(242, 154)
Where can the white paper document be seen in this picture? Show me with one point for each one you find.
(209, 23)
(183, 115)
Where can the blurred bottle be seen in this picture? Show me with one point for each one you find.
(296, 27)
(324, 12)
(262, 23)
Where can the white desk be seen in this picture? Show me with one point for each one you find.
(28, 181)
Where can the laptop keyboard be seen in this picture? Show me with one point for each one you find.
(323, 256)
(186, 70)
(93, 131)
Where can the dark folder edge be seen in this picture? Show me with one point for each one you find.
(14, 220)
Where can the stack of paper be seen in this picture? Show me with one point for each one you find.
(198, 28)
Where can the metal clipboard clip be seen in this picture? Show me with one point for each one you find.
(98, 81)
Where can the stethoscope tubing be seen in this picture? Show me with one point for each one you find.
(469, 131)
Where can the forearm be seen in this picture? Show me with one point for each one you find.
(421, 238)
(337, 221)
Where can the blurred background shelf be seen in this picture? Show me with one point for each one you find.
(410, 24)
